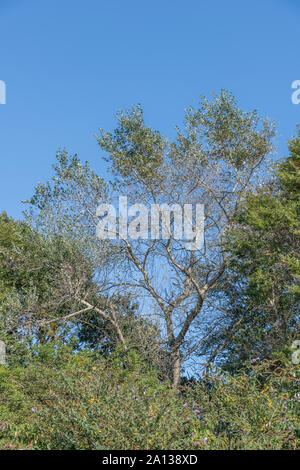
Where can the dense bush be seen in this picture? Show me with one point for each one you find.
(63, 400)
(259, 410)
(70, 401)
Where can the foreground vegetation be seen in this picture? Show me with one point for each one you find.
(62, 400)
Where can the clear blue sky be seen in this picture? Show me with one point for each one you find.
(69, 65)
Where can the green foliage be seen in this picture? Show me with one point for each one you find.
(220, 131)
(258, 410)
(67, 401)
(142, 335)
(34, 275)
(136, 151)
(262, 285)
(78, 403)
(37, 297)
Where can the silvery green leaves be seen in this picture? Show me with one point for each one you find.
(221, 132)
(66, 206)
(135, 150)
(72, 181)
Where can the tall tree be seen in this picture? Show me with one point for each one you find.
(212, 161)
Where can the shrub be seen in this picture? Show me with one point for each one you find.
(63, 400)
(88, 404)
(258, 410)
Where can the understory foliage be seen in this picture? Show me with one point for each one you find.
(63, 400)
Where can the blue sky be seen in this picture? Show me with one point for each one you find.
(70, 65)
